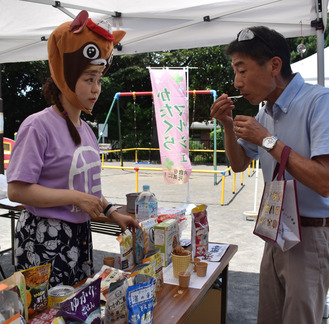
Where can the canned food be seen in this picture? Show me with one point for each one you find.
(57, 295)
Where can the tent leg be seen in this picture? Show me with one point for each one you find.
(320, 50)
(2, 165)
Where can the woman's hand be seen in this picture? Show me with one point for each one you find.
(124, 221)
(90, 204)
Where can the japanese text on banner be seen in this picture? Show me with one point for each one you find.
(171, 111)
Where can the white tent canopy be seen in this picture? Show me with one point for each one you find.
(152, 25)
(307, 68)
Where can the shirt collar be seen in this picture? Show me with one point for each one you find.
(288, 94)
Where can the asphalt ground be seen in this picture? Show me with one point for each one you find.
(227, 223)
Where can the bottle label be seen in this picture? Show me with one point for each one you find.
(146, 210)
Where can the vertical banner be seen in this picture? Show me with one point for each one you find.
(171, 111)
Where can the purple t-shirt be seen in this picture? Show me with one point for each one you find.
(44, 153)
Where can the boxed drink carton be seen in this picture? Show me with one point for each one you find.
(166, 238)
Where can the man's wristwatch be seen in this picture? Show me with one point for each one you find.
(269, 142)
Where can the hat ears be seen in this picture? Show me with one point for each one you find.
(118, 35)
(81, 20)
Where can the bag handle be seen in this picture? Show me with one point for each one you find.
(280, 167)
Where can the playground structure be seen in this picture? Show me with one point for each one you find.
(7, 148)
(224, 173)
(216, 172)
(134, 94)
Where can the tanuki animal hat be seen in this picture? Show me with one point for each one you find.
(73, 46)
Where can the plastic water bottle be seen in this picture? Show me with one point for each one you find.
(146, 205)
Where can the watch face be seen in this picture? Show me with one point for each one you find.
(268, 142)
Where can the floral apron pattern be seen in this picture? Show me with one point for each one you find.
(66, 246)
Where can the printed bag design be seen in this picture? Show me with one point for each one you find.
(278, 220)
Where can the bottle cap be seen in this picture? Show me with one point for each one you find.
(146, 187)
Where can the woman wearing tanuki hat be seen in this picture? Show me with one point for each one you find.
(54, 170)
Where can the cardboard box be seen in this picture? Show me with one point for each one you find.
(209, 310)
(166, 238)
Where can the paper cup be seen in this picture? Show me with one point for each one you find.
(109, 261)
(180, 263)
(195, 261)
(184, 279)
(201, 269)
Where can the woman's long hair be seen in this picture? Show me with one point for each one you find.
(51, 94)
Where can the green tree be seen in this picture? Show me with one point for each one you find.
(21, 88)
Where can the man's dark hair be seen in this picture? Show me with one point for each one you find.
(265, 44)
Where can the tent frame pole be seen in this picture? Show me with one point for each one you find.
(318, 25)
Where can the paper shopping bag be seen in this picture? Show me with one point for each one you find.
(278, 220)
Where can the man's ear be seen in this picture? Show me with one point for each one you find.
(118, 35)
(276, 65)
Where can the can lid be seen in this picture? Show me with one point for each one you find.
(61, 291)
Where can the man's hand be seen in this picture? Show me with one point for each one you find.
(222, 109)
(249, 129)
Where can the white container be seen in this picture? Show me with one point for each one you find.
(250, 215)
(146, 205)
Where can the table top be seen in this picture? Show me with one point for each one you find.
(5, 203)
(176, 303)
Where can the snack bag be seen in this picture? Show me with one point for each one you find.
(148, 270)
(37, 281)
(200, 231)
(84, 306)
(154, 258)
(16, 283)
(46, 317)
(108, 275)
(140, 300)
(116, 310)
(144, 239)
(126, 250)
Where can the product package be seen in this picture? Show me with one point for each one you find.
(16, 283)
(108, 276)
(178, 213)
(147, 270)
(154, 258)
(84, 306)
(116, 310)
(37, 282)
(199, 231)
(171, 212)
(144, 239)
(127, 260)
(140, 300)
(48, 316)
(9, 307)
(166, 238)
